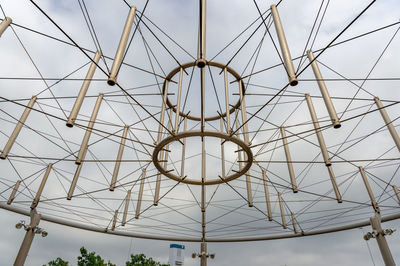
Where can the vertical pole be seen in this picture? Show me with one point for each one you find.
(82, 92)
(318, 132)
(203, 253)
(40, 190)
(178, 101)
(244, 114)
(74, 181)
(293, 222)
(183, 150)
(324, 91)
(282, 210)
(396, 192)
(165, 154)
(334, 184)
(114, 223)
(287, 58)
(369, 190)
(14, 191)
(119, 157)
(119, 55)
(203, 92)
(139, 201)
(222, 150)
(127, 199)
(29, 235)
(380, 238)
(228, 117)
(18, 128)
(4, 24)
(201, 53)
(84, 145)
(388, 122)
(159, 136)
(267, 199)
(289, 161)
(203, 176)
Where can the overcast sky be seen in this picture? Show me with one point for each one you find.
(225, 20)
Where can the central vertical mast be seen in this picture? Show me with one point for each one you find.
(201, 53)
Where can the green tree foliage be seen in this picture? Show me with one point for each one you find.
(91, 259)
(141, 260)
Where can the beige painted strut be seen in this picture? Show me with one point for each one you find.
(17, 128)
(287, 58)
(119, 157)
(369, 190)
(228, 117)
(201, 52)
(41, 187)
(13, 192)
(119, 55)
(334, 185)
(388, 122)
(293, 222)
(324, 91)
(282, 210)
(74, 181)
(127, 199)
(140, 196)
(183, 150)
(82, 93)
(85, 141)
(223, 171)
(289, 160)
(178, 101)
(396, 192)
(4, 24)
(114, 223)
(318, 132)
(267, 198)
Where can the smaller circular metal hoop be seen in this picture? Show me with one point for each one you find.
(208, 63)
(207, 133)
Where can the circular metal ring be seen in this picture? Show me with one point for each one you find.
(198, 133)
(208, 63)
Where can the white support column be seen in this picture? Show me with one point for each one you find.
(201, 53)
(27, 242)
(178, 101)
(396, 192)
(289, 161)
(74, 181)
(4, 25)
(18, 128)
(85, 141)
(82, 93)
(119, 55)
(369, 190)
(334, 185)
(287, 58)
(388, 122)
(140, 196)
(114, 223)
(380, 238)
(127, 199)
(42, 184)
(244, 114)
(267, 198)
(282, 209)
(318, 132)
(324, 91)
(119, 157)
(14, 191)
